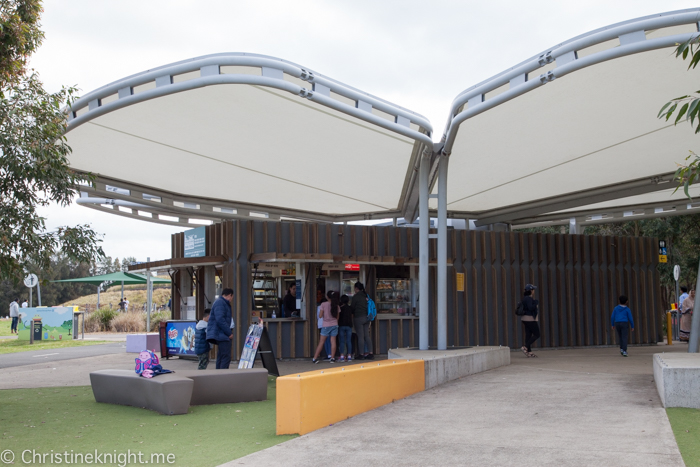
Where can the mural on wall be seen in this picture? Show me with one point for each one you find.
(56, 322)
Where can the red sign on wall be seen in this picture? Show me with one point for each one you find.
(352, 267)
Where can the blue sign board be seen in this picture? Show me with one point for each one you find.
(195, 243)
(180, 337)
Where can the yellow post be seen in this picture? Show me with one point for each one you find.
(669, 329)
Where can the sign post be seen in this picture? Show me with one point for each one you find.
(32, 281)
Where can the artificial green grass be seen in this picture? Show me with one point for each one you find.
(685, 424)
(65, 419)
(15, 345)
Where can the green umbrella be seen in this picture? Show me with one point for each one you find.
(123, 277)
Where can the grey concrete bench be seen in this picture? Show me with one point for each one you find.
(227, 386)
(168, 394)
(173, 393)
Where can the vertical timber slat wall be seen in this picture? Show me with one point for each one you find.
(579, 278)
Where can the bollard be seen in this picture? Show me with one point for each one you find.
(669, 329)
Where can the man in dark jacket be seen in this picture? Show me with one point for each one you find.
(219, 328)
(530, 320)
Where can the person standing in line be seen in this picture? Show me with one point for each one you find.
(687, 307)
(25, 304)
(14, 314)
(329, 313)
(530, 319)
(359, 318)
(684, 295)
(219, 328)
(345, 329)
(621, 321)
(201, 345)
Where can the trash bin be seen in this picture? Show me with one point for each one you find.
(36, 329)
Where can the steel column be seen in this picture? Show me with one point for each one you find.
(442, 255)
(423, 253)
(695, 323)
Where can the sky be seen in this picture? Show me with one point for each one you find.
(416, 54)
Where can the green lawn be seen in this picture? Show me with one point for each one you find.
(5, 327)
(65, 419)
(686, 428)
(14, 345)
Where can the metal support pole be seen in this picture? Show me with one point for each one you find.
(98, 298)
(122, 290)
(30, 297)
(423, 253)
(695, 323)
(149, 299)
(442, 255)
(38, 291)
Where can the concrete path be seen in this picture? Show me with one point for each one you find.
(31, 357)
(37, 369)
(565, 408)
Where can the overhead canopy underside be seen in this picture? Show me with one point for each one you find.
(582, 137)
(569, 133)
(224, 139)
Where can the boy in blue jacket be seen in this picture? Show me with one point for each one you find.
(622, 321)
(201, 346)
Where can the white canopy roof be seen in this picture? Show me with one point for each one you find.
(571, 132)
(574, 129)
(228, 134)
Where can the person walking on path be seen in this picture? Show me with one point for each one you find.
(219, 328)
(530, 320)
(621, 321)
(684, 295)
(14, 314)
(329, 312)
(687, 307)
(358, 305)
(25, 304)
(201, 344)
(345, 329)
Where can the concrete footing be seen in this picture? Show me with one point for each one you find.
(677, 377)
(442, 366)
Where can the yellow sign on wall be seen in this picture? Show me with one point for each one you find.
(460, 282)
(663, 259)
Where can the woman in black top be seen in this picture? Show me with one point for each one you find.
(345, 329)
(530, 320)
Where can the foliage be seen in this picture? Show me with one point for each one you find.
(157, 317)
(100, 320)
(34, 168)
(690, 109)
(132, 321)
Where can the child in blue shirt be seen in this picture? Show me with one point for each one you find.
(621, 321)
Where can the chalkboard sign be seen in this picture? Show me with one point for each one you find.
(257, 341)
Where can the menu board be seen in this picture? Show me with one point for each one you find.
(258, 341)
(250, 347)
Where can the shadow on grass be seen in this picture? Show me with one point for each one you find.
(69, 420)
